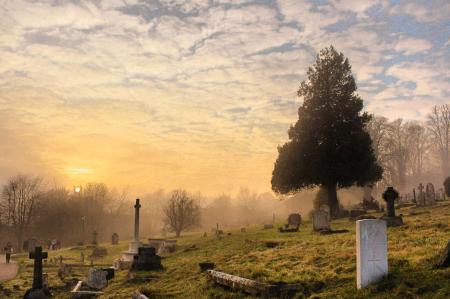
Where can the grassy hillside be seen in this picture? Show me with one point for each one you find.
(324, 264)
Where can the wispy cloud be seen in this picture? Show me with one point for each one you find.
(195, 94)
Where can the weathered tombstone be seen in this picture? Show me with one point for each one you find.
(169, 246)
(243, 230)
(146, 260)
(97, 279)
(94, 237)
(63, 270)
(321, 221)
(390, 195)
(37, 290)
(294, 221)
(128, 256)
(421, 196)
(268, 226)
(115, 239)
(82, 256)
(371, 251)
(430, 194)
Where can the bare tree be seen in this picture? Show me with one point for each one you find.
(20, 196)
(420, 146)
(378, 129)
(398, 153)
(182, 212)
(439, 124)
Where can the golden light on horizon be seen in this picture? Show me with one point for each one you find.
(77, 171)
(77, 189)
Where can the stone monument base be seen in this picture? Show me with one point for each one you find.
(146, 260)
(37, 294)
(128, 255)
(393, 221)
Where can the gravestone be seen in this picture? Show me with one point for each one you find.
(430, 194)
(146, 260)
(37, 290)
(294, 221)
(169, 246)
(97, 279)
(128, 256)
(243, 230)
(371, 251)
(421, 196)
(115, 239)
(390, 195)
(268, 226)
(321, 221)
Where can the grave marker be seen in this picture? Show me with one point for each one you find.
(128, 256)
(321, 221)
(37, 290)
(371, 251)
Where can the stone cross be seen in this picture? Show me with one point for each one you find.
(390, 195)
(371, 251)
(137, 206)
(38, 256)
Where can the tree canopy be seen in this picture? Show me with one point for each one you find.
(328, 146)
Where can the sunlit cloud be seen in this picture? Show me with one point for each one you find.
(195, 94)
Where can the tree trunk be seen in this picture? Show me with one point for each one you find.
(177, 233)
(445, 166)
(332, 200)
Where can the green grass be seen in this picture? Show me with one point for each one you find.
(324, 264)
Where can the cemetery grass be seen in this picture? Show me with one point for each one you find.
(324, 265)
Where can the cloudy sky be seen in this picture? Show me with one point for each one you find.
(195, 94)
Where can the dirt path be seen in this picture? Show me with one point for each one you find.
(7, 271)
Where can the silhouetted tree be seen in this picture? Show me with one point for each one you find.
(328, 145)
(20, 196)
(181, 212)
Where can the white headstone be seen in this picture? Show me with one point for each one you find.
(371, 251)
(321, 221)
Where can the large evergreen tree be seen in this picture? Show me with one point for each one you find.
(328, 146)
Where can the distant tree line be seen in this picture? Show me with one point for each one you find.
(28, 208)
(412, 151)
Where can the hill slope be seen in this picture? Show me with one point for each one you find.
(324, 264)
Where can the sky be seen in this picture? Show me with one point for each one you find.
(195, 94)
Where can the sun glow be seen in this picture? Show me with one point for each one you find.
(77, 171)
